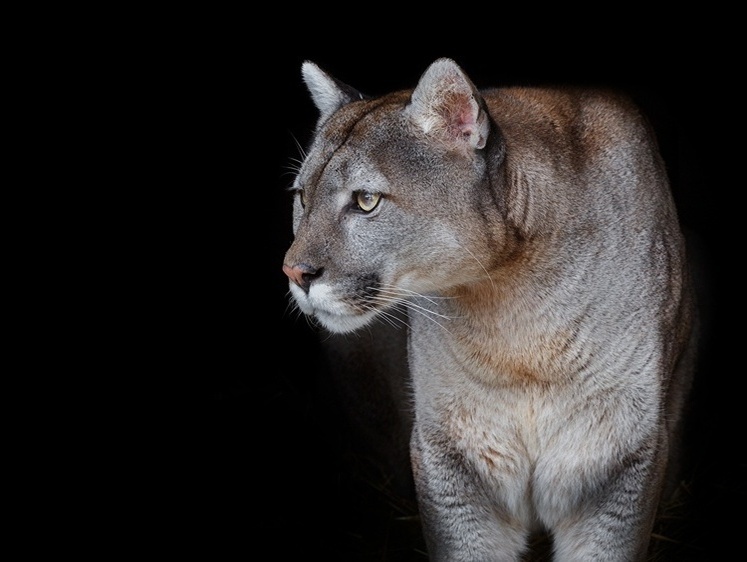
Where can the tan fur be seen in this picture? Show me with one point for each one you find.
(531, 236)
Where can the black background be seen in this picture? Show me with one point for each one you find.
(247, 450)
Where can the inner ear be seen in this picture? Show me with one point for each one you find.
(461, 114)
(447, 105)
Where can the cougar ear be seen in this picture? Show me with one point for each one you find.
(447, 105)
(327, 93)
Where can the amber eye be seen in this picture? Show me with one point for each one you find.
(367, 200)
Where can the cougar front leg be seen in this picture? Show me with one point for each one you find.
(616, 524)
(460, 522)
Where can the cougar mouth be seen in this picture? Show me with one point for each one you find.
(342, 313)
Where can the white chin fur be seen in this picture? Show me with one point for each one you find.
(343, 324)
(333, 315)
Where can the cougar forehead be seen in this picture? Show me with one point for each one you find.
(354, 150)
(373, 121)
(375, 146)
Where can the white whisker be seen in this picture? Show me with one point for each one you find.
(401, 290)
(396, 291)
(399, 293)
(391, 319)
(412, 306)
(422, 311)
(466, 249)
(300, 148)
(295, 164)
(398, 297)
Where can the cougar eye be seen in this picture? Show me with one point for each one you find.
(367, 200)
(302, 197)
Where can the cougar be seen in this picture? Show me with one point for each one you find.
(531, 238)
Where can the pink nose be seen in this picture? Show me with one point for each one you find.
(295, 274)
(301, 274)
